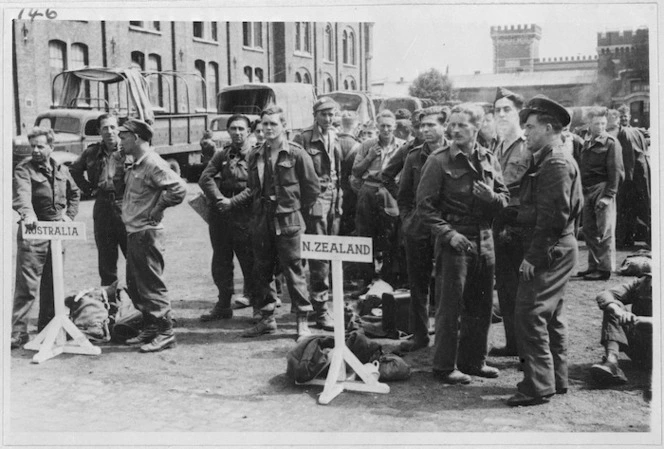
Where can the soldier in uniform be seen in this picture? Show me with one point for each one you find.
(43, 191)
(550, 201)
(459, 194)
(602, 169)
(224, 182)
(514, 160)
(347, 142)
(104, 164)
(417, 239)
(320, 142)
(283, 182)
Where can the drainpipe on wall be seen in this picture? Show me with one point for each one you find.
(17, 106)
(270, 54)
(336, 59)
(175, 67)
(104, 56)
(315, 57)
(228, 50)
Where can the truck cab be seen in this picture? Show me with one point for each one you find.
(357, 102)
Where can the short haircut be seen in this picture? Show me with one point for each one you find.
(369, 126)
(106, 116)
(613, 113)
(516, 99)
(442, 113)
(254, 125)
(624, 108)
(41, 131)
(547, 119)
(236, 117)
(474, 112)
(597, 111)
(275, 109)
(385, 113)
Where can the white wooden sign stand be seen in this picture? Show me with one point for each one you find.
(52, 340)
(338, 249)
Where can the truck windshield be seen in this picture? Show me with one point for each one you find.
(245, 101)
(347, 102)
(393, 104)
(60, 124)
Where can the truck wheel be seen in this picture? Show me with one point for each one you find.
(174, 165)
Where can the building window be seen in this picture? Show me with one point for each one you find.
(328, 43)
(302, 76)
(214, 34)
(349, 47)
(328, 84)
(212, 83)
(248, 74)
(344, 47)
(303, 37)
(345, 84)
(353, 86)
(57, 62)
(258, 75)
(200, 100)
(155, 81)
(349, 84)
(156, 26)
(252, 34)
(298, 77)
(138, 59)
(79, 60)
(306, 78)
(198, 30)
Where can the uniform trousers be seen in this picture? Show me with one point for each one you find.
(599, 229)
(634, 341)
(632, 204)
(464, 296)
(145, 267)
(229, 235)
(276, 240)
(110, 233)
(419, 263)
(509, 254)
(541, 324)
(319, 222)
(34, 272)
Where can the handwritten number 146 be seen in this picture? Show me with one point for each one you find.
(33, 13)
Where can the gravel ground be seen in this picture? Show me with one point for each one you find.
(216, 381)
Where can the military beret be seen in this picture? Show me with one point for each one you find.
(517, 99)
(544, 105)
(402, 114)
(325, 103)
(138, 127)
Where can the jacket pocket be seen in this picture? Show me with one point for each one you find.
(290, 223)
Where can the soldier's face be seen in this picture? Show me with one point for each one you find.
(128, 141)
(259, 134)
(108, 129)
(625, 118)
(386, 126)
(597, 126)
(272, 126)
(431, 129)
(461, 130)
(325, 118)
(535, 133)
(367, 134)
(239, 132)
(41, 150)
(506, 114)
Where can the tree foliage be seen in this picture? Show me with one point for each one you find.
(432, 84)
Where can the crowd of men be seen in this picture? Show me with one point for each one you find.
(482, 198)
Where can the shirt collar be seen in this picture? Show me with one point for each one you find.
(141, 159)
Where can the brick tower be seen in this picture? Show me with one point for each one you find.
(515, 48)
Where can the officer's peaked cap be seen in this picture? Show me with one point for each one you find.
(138, 127)
(541, 104)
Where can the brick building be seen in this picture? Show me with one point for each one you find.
(331, 56)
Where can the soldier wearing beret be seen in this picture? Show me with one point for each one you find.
(283, 183)
(103, 163)
(151, 187)
(601, 172)
(224, 182)
(321, 143)
(458, 196)
(514, 161)
(550, 201)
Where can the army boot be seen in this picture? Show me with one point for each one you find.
(165, 337)
(220, 311)
(322, 316)
(147, 334)
(302, 322)
(266, 325)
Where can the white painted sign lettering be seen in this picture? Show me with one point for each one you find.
(326, 247)
(51, 230)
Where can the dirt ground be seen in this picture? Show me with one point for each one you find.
(216, 381)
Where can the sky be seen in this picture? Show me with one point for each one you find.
(408, 41)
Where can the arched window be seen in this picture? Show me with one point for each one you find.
(303, 37)
(298, 77)
(345, 47)
(258, 75)
(155, 81)
(248, 74)
(79, 59)
(345, 84)
(351, 47)
(57, 62)
(328, 84)
(306, 78)
(212, 84)
(353, 85)
(328, 43)
(138, 60)
(199, 100)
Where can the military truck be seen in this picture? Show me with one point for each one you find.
(358, 102)
(90, 92)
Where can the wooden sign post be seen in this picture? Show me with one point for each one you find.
(52, 340)
(338, 249)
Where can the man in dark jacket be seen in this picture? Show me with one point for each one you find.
(321, 143)
(43, 191)
(283, 182)
(550, 201)
(459, 194)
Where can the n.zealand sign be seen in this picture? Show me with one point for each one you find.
(325, 247)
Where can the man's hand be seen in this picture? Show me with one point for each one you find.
(527, 270)
(223, 205)
(460, 243)
(482, 191)
(66, 219)
(625, 317)
(30, 222)
(603, 203)
(374, 152)
(155, 216)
